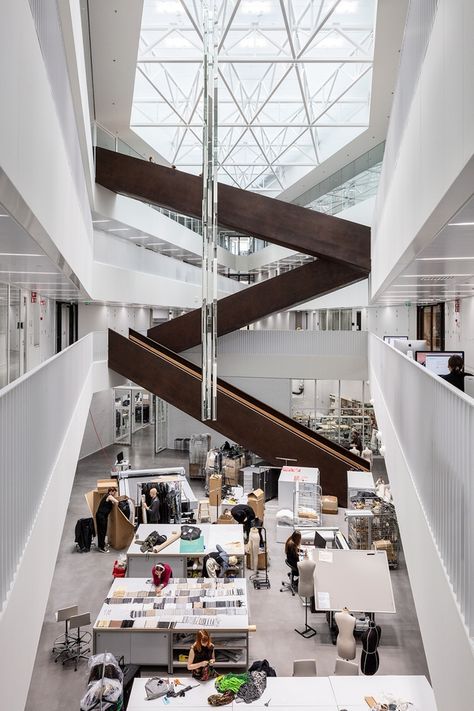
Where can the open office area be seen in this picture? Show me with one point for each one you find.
(265, 627)
(236, 354)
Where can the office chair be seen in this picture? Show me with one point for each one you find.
(80, 641)
(304, 667)
(63, 643)
(292, 585)
(345, 668)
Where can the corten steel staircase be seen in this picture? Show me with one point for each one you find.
(342, 249)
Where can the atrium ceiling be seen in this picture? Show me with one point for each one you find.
(295, 81)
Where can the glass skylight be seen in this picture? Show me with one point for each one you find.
(295, 81)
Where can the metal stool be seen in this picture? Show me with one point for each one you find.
(63, 643)
(291, 585)
(80, 642)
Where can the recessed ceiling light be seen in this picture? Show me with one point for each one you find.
(96, 222)
(12, 271)
(119, 229)
(4, 215)
(443, 259)
(19, 254)
(460, 224)
(415, 276)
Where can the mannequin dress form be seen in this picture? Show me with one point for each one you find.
(253, 547)
(306, 589)
(367, 455)
(369, 661)
(346, 644)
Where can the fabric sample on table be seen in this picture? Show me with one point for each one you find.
(221, 699)
(103, 623)
(231, 682)
(115, 623)
(254, 688)
(196, 546)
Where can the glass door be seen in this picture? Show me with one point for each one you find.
(123, 416)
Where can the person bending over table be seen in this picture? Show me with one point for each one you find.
(202, 657)
(161, 573)
(244, 514)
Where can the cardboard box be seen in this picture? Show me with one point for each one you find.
(329, 504)
(260, 562)
(215, 489)
(226, 518)
(231, 476)
(256, 499)
(104, 484)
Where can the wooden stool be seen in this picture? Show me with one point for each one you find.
(203, 513)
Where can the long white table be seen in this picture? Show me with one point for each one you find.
(156, 623)
(139, 564)
(349, 691)
(333, 693)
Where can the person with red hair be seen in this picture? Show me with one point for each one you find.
(202, 657)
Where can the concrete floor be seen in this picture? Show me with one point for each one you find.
(86, 578)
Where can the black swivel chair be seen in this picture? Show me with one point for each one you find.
(292, 584)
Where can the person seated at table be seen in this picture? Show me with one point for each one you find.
(202, 657)
(292, 547)
(161, 573)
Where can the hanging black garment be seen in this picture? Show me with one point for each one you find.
(369, 661)
(84, 533)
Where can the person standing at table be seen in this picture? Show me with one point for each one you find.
(202, 657)
(107, 502)
(153, 515)
(244, 514)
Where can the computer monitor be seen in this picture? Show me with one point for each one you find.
(413, 346)
(436, 361)
(119, 458)
(391, 339)
(319, 541)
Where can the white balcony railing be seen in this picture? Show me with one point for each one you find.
(434, 424)
(35, 414)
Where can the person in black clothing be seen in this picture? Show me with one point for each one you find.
(202, 656)
(245, 515)
(292, 547)
(456, 372)
(107, 502)
(153, 509)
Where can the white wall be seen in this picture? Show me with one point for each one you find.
(417, 447)
(100, 317)
(459, 330)
(273, 392)
(99, 430)
(434, 172)
(33, 155)
(392, 321)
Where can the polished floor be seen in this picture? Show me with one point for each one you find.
(85, 579)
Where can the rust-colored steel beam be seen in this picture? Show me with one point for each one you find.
(244, 419)
(275, 221)
(256, 302)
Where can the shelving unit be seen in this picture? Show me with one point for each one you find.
(231, 642)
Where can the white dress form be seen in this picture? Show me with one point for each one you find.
(346, 644)
(367, 455)
(253, 547)
(306, 580)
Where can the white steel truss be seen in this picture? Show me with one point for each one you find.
(295, 78)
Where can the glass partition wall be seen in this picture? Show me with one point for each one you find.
(338, 409)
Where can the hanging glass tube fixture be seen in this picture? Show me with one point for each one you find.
(209, 216)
